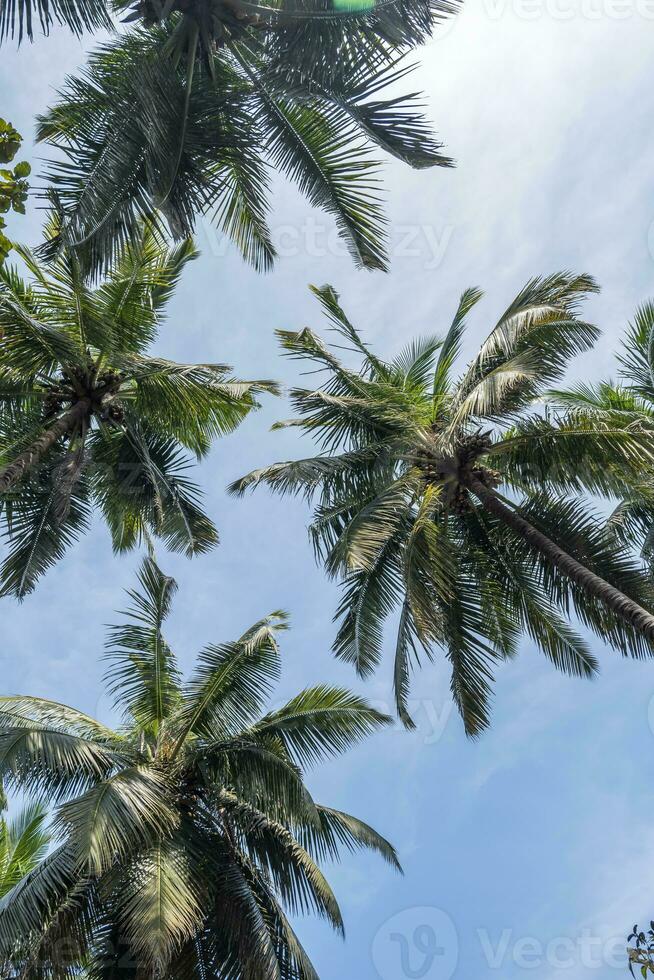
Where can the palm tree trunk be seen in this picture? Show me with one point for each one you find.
(620, 605)
(14, 471)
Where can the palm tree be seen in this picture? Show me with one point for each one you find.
(458, 500)
(187, 834)
(192, 112)
(87, 419)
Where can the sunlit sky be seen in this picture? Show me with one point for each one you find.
(529, 852)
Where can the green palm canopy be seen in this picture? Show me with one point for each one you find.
(186, 836)
(453, 499)
(88, 420)
(631, 398)
(291, 23)
(197, 109)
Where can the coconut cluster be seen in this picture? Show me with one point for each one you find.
(219, 20)
(440, 470)
(76, 383)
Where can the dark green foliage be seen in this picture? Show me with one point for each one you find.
(641, 951)
(13, 181)
(67, 344)
(628, 403)
(23, 844)
(187, 835)
(153, 130)
(398, 521)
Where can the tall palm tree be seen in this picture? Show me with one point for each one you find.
(89, 420)
(153, 130)
(457, 499)
(187, 834)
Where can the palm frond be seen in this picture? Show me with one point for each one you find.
(134, 296)
(46, 712)
(37, 533)
(341, 830)
(231, 682)
(529, 348)
(331, 165)
(144, 488)
(29, 344)
(23, 844)
(367, 600)
(297, 878)
(143, 676)
(452, 341)
(594, 543)
(50, 761)
(193, 403)
(160, 906)
(261, 773)
(125, 812)
(637, 356)
(26, 911)
(18, 17)
(596, 451)
(321, 722)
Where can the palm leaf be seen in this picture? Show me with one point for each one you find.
(17, 17)
(143, 676)
(108, 822)
(321, 722)
(230, 682)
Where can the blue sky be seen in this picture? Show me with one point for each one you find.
(530, 852)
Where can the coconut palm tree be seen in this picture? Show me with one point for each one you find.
(186, 834)
(192, 112)
(459, 502)
(89, 420)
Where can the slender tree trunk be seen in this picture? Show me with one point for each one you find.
(619, 604)
(15, 471)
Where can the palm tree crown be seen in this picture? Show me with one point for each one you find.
(455, 500)
(88, 419)
(211, 24)
(184, 835)
(149, 131)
